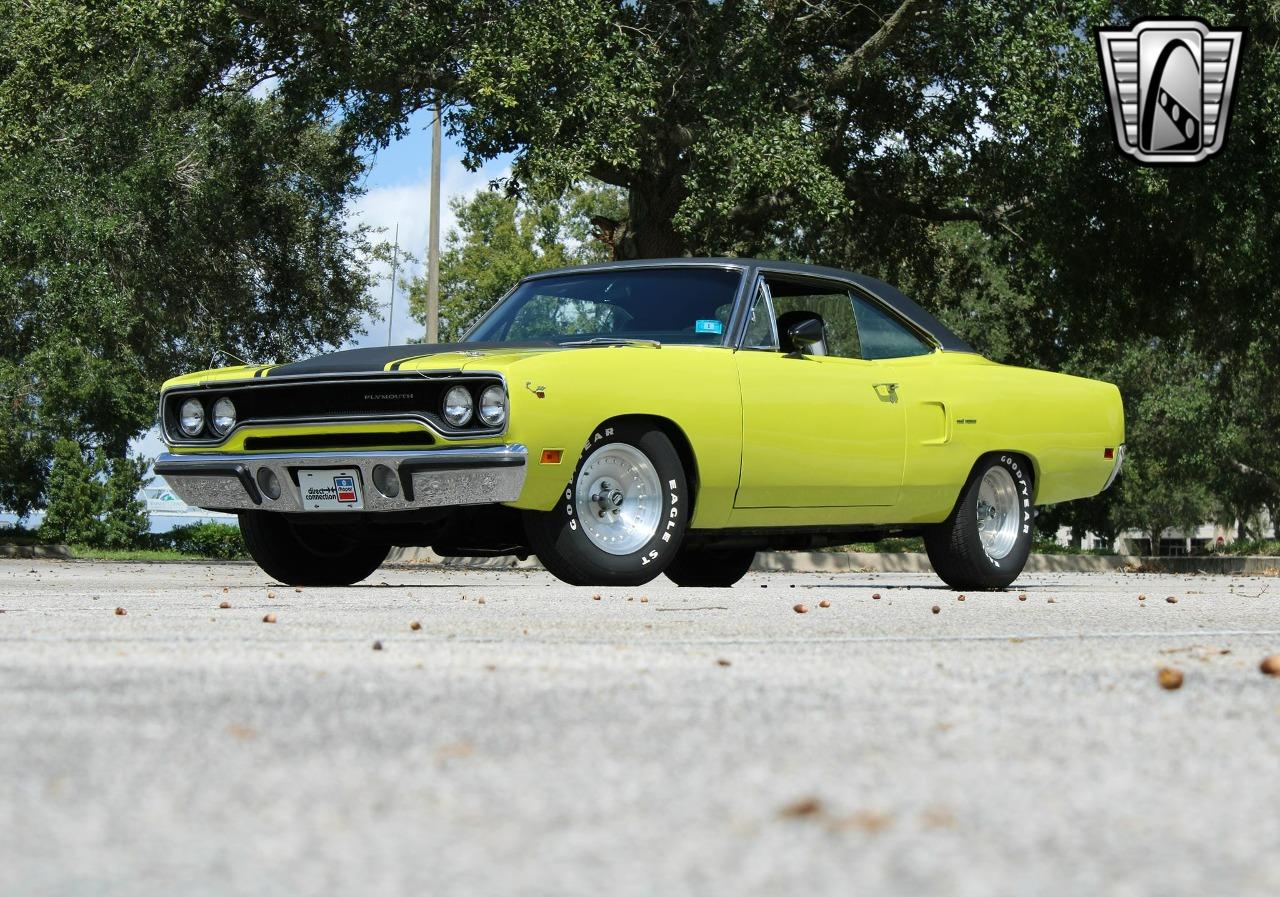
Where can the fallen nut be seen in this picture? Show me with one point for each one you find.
(415, 625)
(271, 596)
(875, 596)
(801, 608)
(644, 599)
(806, 806)
(960, 598)
(1270, 665)
(480, 600)
(297, 589)
(269, 618)
(224, 605)
(595, 597)
(722, 662)
(1171, 600)
(824, 603)
(1022, 596)
(1169, 678)
(120, 611)
(936, 609)
(377, 646)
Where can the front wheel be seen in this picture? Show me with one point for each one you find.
(710, 567)
(623, 515)
(985, 541)
(311, 555)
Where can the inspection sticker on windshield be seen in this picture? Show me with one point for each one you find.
(330, 490)
(708, 327)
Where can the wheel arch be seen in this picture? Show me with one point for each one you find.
(1021, 454)
(679, 439)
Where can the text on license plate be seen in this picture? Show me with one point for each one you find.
(330, 490)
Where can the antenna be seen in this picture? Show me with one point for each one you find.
(391, 308)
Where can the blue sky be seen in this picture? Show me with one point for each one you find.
(398, 192)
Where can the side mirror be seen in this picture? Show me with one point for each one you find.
(803, 334)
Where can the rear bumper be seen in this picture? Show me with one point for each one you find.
(426, 479)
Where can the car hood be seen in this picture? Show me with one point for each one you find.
(438, 356)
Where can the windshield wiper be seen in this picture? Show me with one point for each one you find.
(613, 341)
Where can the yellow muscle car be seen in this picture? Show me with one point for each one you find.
(625, 420)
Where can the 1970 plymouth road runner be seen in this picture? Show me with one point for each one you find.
(626, 420)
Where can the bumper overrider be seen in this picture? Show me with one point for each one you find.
(407, 481)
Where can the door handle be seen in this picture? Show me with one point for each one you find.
(887, 392)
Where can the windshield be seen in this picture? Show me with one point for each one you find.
(670, 305)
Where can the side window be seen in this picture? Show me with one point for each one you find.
(883, 336)
(761, 332)
(791, 299)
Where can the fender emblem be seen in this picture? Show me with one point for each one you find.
(539, 391)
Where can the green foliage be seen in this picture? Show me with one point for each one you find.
(75, 498)
(154, 214)
(211, 540)
(126, 523)
(500, 239)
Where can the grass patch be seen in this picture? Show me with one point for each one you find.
(89, 553)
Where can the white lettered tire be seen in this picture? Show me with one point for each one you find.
(985, 541)
(622, 518)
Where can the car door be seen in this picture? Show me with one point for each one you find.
(819, 430)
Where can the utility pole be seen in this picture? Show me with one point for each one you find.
(433, 239)
(391, 307)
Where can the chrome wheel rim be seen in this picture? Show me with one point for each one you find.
(997, 513)
(618, 499)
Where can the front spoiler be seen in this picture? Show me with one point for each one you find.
(427, 479)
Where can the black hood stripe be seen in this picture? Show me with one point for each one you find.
(387, 358)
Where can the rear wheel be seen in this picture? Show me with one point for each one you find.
(307, 555)
(622, 517)
(710, 567)
(985, 541)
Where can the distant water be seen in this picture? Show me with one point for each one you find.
(160, 523)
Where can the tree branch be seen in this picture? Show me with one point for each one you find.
(1267, 478)
(890, 30)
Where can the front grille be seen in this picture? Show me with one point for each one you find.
(313, 441)
(367, 398)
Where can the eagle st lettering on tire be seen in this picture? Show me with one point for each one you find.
(619, 521)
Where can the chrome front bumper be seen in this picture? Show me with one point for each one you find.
(427, 479)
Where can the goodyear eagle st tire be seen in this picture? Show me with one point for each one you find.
(985, 541)
(710, 567)
(307, 555)
(622, 517)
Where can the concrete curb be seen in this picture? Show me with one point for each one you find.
(904, 562)
(9, 550)
(786, 562)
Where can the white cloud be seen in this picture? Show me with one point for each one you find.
(408, 205)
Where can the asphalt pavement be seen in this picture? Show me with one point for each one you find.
(532, 738)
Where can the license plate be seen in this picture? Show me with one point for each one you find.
(330, 490)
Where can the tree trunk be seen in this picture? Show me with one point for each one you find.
(650, 231)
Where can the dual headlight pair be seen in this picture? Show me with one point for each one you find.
(191, 417)
(459, 406)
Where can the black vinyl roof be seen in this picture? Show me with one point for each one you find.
(889, 295)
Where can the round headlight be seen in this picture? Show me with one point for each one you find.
(457, 406)
(224, 416)
(493, 406)
(191, 417)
